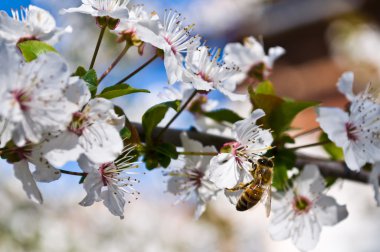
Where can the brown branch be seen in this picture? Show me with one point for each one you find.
(327, 167)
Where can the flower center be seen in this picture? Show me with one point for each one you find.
(78, 123)
(351, 130)
(301, 204)
(174, 49)
(195, 177)
(205, 77)
(21, 98)
(103, 169)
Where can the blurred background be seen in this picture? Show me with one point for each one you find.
(323, 38)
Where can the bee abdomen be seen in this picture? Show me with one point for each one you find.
(249, 198)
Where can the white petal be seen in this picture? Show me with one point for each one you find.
(84, 8)
(345, 85)
(93, 185)
(333, 121)
(329, 212)
(273, 54)
(200, 209)
(22, 172)
(113, 199)
(374, 180)
(44, 171)
(173, 66)
(224, 171)
(306, 236)
(62, 149)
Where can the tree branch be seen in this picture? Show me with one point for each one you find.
(327, 167)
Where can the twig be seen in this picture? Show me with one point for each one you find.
(116, 61)
(103, 29)
(327, 167)
(138, 69)
(73, 173)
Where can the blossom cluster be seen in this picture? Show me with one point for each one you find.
(51, 118)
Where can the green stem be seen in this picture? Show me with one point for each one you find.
(189, 153)
(116, 61)
(97, 46)
(73, 173)
(138, 70)
(309, 145)
(178, 113)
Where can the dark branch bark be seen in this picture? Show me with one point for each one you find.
(328, 168)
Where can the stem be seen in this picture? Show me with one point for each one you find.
(116, 61)
(178, 113)
(189, 153)
(97, 46)
(138, 69)
(309, 145)
(311, 131)
(73, 173)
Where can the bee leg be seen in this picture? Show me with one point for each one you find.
(240, 186)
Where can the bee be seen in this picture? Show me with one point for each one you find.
(259, 189)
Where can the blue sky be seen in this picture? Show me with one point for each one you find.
(8, 5)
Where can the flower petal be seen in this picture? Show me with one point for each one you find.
(22, 172)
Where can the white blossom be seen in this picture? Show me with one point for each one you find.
(233, 165)
(193, 178)
(205, 71)
(32, 100)
(27, 156)
(357, 132)
(110, 182)
(102, 8)
(32, 23)
(249, 55)
(300, 212)
(139, 22)
(174, 40)
(93, 130)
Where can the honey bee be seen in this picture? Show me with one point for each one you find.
(259, 189)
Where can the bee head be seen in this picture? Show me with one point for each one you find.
(265, 162)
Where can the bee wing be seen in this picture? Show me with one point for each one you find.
(267, 199)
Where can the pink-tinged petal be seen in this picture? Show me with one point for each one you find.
(22, 172)
(345, 85)
(333, 121)
(329, 212)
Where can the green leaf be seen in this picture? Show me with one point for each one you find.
(283, 115)
(268, 103)
(168, 150)
(125, 133)
(284, 161)
(120, 90)
(335, 152)
(265, 87)
(155, 115)
(89, 77)
(164, 161)
(31, 49)
(223, 115)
